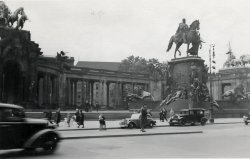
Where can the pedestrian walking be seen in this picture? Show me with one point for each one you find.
(77, 117)
(164, 114)
(68, 119)
(58, 116)
(48, 116)
(102, 122)
(81, 119)
(143, 117)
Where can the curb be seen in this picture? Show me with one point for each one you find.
(77, 129)
(130, 135)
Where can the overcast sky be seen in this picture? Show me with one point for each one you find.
(111, 30)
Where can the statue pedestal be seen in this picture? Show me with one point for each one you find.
(188, 74)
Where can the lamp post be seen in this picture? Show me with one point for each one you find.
(211, 120)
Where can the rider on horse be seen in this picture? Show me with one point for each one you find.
(182, 30)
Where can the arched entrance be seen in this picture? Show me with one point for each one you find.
(12, 82)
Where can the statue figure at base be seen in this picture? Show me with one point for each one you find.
(141, 95)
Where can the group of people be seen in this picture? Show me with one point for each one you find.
(48, 116)
(77, 117)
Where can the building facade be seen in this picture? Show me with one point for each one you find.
(35, 81)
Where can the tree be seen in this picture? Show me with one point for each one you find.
(152, 66)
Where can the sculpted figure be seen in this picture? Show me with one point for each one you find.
(14, 16)
(237, 92)
(245, 59)
(172, 97)
(182, 30)
(187, 35)
(4, 12)
(141, 95)
(21, 20)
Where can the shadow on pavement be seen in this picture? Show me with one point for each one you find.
(25, 153)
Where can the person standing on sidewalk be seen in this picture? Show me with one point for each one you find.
(164, 114)
(68, 119)
(81, 119)
(143, 117)
(58, 116)
(102, 122)
(77, 117)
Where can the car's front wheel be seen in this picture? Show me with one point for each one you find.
(50, 144)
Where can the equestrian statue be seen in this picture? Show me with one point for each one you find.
(7, 18)
(186, 35)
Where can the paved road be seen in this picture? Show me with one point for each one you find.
(219, 140)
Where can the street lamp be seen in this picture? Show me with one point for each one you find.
(211, 56)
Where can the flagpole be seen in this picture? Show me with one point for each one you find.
(211, 120)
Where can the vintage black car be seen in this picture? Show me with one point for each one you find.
(134, 122)
(16, 131)
(189, 116)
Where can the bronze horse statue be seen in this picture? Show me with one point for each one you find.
(14, 16)
(192, 36)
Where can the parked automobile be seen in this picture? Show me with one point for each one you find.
(189, 116)
(134, 122)
(16, 131)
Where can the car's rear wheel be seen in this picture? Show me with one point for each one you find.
(171, 124)
(246, 123)
(50, 144)
(151, 124)
(131, 125)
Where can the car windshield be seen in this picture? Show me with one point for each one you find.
(10, 113)
(135, 116)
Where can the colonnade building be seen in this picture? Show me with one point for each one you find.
(30, 79)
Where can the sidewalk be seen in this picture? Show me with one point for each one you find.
(114, 124)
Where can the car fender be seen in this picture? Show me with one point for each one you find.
(37, 139)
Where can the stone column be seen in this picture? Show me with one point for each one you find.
(107, 86)
(104, 92)
(83, 92)
(45, 92)
(73, 93)
(41, 91)
(91, 92)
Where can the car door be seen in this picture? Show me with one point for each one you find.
(10, 129)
